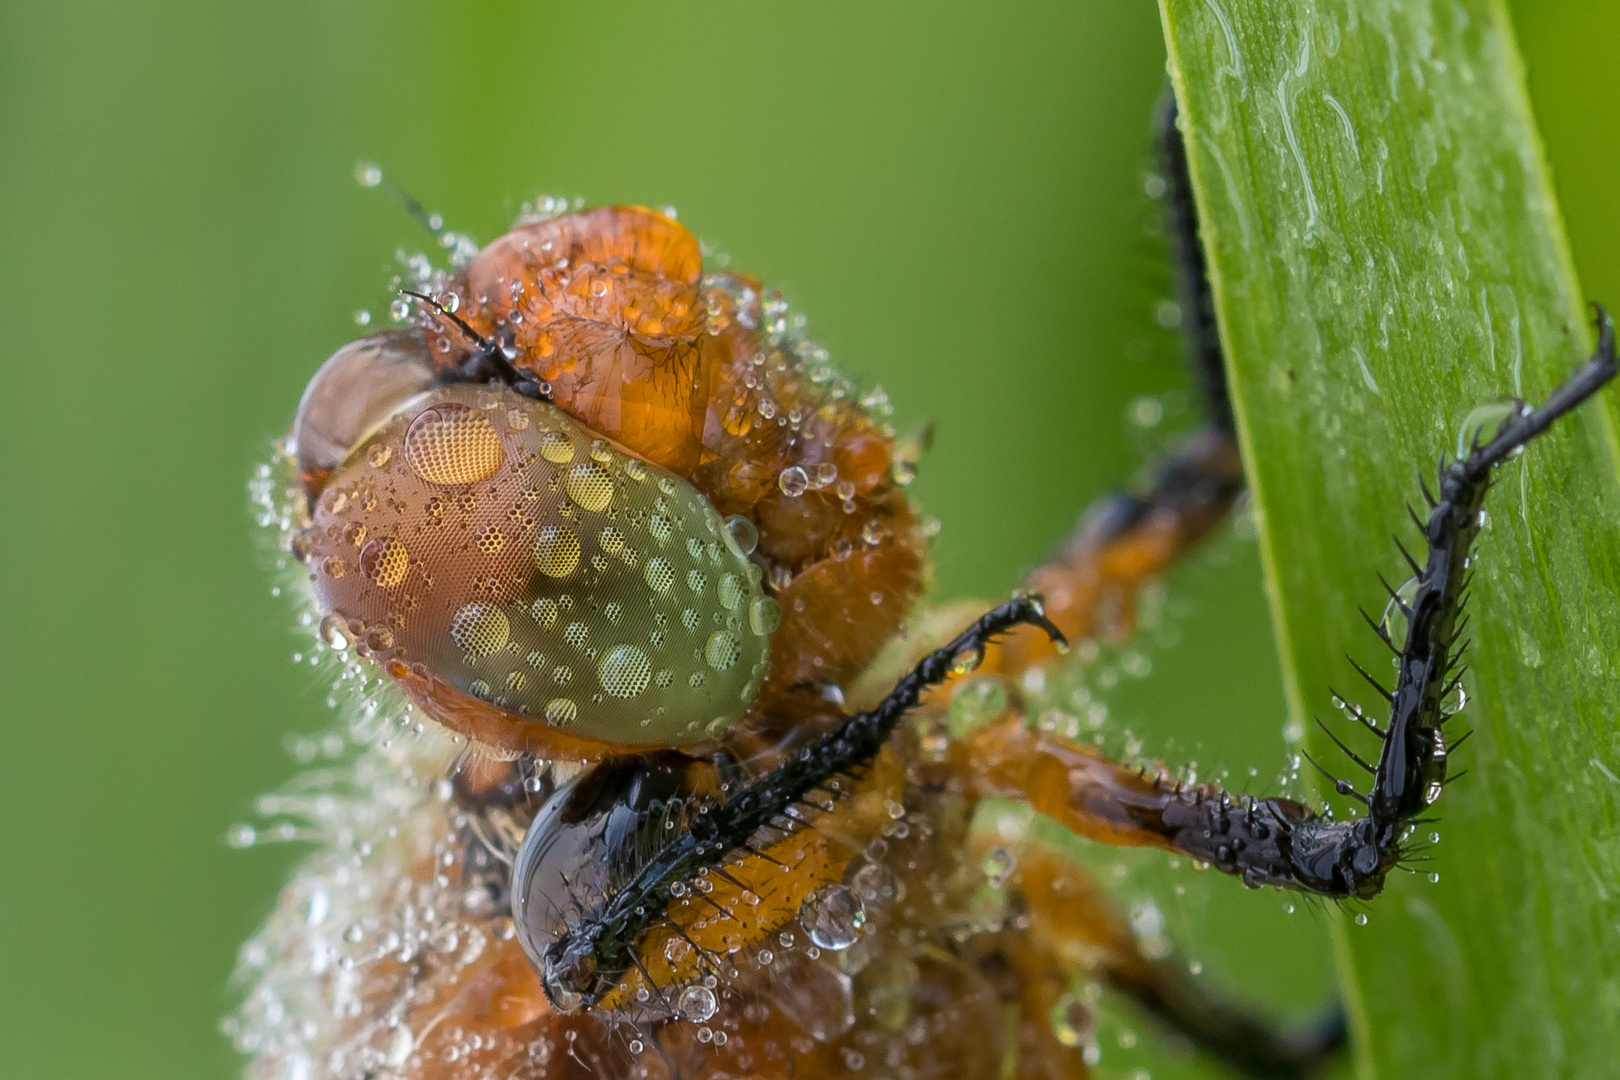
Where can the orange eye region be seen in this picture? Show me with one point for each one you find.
(604, 306)
(497, 556)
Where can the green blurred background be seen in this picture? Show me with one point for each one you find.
(953, 195)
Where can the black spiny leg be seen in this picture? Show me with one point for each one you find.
(1281, 842)
(1194, 486)
(597, 948)
(1199, 331)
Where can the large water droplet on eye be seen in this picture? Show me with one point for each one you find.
(625, 671)
(764, 616)
(742, 537)
(556, 447)
(480, 629)
(833, 917)
(659, 575)
(556, 551)
(731, 591)
(384, 560)
(590, 486)
(452, 445)
(723, 650)
(697, 1003)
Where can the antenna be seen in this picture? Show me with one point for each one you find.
(461, 324)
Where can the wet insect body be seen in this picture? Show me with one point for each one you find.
(653, 784)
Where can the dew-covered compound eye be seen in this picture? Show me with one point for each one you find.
(488, 546)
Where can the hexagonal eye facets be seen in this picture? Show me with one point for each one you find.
(530, 563)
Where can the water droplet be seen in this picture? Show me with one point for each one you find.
(764, 616)
(1393, 620)
(793, 481)
(723, 650)
(833, 917)
(997, 864)
(877, 884)
(480, 629)
(1361, 919)
(1483, 422)
(556, 551)
(1456, 701)
(966, 660)
(556, 448)
(697, 1003)
(1073, 1023)
(1146, 412)
(624, 671)
(335, 631)
(590, 486)
(384, 560)
(368, 174)
(453, 446)
(659, 574)
(742, 537)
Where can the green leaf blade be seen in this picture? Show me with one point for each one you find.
(1386, 254)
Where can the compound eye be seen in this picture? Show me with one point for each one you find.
(494, 543)
(356, 390)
